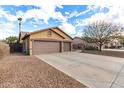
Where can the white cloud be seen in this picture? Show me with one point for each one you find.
(115, 14)
(79, 33)
(60, 17)
(49, 11)
(44, 12)
(97, 16)
(5, 14)
(20, 14)
(67, 13)
(11, 18)
(89, 8)
(37, 14)
(2, 13)
(62, 2)
(76, 14)
(82, 13)
(5, 35)
(72, 14)
(92, 8)
(68, 28)
(7, 29)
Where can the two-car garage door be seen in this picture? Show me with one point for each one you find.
(41, 47)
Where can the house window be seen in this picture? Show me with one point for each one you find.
(49, 33)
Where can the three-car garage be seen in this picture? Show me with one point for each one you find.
(50, 40)
(42, 47)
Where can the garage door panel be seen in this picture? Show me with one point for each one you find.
(67, 46)
(40, 47)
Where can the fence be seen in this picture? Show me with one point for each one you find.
(17, 47)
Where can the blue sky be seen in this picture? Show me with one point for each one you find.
(70, 18)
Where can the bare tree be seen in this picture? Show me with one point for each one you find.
(101, 32)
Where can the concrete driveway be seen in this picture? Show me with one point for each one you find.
(91, 70)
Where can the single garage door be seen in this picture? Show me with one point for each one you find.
(40, 47)
(67, 46)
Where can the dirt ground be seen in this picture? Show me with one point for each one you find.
(106, 53)
(29, 72)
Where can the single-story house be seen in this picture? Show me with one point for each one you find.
(21, 35)
(113, 43)
(50, 40)
(78, 43)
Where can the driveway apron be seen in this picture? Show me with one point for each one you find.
(91, 70)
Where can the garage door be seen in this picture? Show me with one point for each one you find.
(40, 47)
(67, 46)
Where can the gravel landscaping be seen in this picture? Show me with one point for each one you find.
(29, 72)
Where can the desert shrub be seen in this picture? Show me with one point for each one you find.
(119, 46)
(91, 48)
(112, 47)
(106, 47)
(75, 46)
(78, 46)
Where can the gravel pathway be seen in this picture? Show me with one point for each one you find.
(30, 72)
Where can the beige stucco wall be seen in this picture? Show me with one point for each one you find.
(30, 47)
(44, 35)
(61, 33)
(26, 45)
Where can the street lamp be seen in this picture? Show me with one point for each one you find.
(20, 20)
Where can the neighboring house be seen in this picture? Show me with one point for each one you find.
(21, 35)
(114, 43)
(50, 40)
(78, 43)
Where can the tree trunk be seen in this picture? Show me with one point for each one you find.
(100, 47)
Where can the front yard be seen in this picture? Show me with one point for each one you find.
(28, 71)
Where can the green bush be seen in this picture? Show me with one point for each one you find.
(27, 53)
